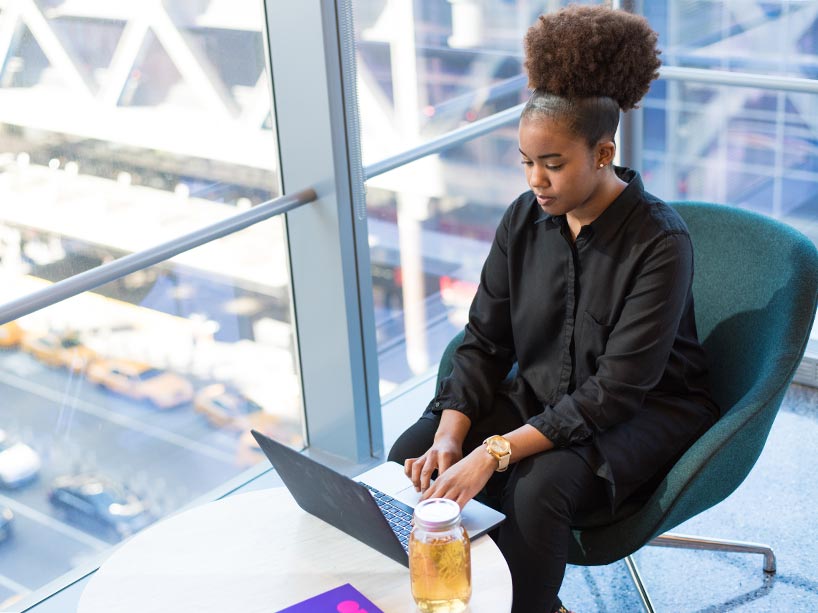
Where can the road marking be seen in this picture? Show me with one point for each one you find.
(110, 415)
(54, 524)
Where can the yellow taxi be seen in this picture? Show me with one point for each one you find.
(58, 349)
(141, 381)
(10, 334)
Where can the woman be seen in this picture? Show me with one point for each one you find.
(587, 287)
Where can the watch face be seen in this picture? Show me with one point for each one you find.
(499, 445)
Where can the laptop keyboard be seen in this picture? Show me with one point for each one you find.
(396, 513)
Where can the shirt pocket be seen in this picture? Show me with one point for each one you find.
(593, 337)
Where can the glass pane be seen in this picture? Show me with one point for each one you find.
(757, 149)
(426, 68)
(779, 38)
(162, 127)
(431, 224)
(125, 404)
(124, 125)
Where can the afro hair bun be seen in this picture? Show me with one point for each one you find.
(590, 51)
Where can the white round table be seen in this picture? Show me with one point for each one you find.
(259, 552)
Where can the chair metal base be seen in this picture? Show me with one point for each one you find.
(683, 541)
(640, 586)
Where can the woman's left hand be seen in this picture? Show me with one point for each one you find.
(464, 479)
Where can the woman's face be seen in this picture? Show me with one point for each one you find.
(562, 171)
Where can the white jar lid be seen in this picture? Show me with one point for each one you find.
(437, 513)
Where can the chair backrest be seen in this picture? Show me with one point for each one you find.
(755, 291)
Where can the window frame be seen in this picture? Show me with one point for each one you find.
(331, 284)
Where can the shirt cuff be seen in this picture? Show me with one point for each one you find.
(438, 405)
(562, 423)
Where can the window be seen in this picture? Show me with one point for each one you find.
(122, 128)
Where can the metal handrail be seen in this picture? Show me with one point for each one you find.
(133, 262)
(450, 139)
(739, 79)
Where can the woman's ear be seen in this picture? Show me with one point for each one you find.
(605, 153)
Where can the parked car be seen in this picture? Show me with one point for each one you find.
(6, 517)
(10, 334)
(100, 504)
(58, 349)
(225, 407)
(19, 463)
(141, 381)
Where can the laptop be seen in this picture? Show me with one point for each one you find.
(375, 507)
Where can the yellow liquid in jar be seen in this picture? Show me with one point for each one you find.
(440, 572)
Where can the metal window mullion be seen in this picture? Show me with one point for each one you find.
(328, 249)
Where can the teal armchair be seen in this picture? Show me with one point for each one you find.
(755, 290)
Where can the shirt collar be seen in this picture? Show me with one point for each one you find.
(619, 210)
(551, 221)
(613, 216)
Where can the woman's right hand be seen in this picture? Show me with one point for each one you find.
(445, 451)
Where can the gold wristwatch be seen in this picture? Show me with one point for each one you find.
(500, 448)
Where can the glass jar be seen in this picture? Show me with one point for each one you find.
(439, 558)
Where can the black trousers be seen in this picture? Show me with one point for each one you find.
(541, 496)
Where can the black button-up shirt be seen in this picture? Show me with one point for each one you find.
(602, 330)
